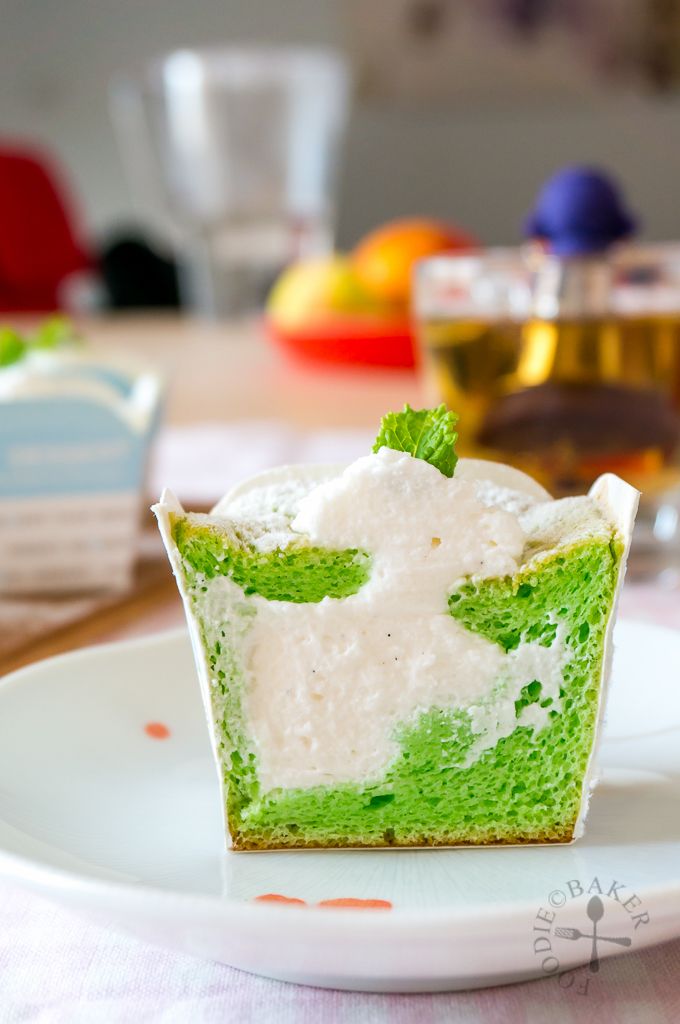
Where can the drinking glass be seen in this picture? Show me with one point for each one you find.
(243, 146)
(562, 396)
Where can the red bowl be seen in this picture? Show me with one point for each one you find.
(355, 340)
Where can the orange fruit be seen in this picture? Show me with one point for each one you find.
(384, 259)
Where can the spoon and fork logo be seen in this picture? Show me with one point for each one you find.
(559, 933)
(595, 912)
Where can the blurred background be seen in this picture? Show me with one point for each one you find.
(461, 108)
(235, 234)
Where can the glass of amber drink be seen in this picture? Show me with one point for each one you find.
(567, 368)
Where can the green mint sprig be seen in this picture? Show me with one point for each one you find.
(54, 333)
(427, 434)
(12, 346)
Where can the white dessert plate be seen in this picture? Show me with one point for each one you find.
(109, 804)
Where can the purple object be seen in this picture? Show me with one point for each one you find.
(579, 210)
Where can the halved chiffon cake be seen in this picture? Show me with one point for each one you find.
(393, 654)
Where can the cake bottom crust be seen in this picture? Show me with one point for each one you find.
(249, 843)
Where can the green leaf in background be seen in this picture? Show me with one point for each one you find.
(54, 333)
(427, 434)
(12, 346)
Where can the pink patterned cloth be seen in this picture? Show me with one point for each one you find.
(57, 969)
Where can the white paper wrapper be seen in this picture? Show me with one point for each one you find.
(619, 502)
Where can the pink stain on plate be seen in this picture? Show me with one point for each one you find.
(344, 903)
(350, 903)
(156, 730)
(275, 897)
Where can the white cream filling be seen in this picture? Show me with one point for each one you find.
(330, 683)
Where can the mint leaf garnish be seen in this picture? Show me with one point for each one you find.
(12, 346)
(424, 433)
(53, 333)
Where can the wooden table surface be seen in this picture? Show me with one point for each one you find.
(228, 371)
(215, 373)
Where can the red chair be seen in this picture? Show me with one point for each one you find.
(39, 244)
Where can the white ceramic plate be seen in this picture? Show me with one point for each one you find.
(125, 828)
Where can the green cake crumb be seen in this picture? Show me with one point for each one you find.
(525, 788)
(297, 573)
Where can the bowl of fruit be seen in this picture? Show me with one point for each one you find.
(354, 308)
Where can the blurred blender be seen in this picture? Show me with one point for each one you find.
(243, 146)
(563, 356)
